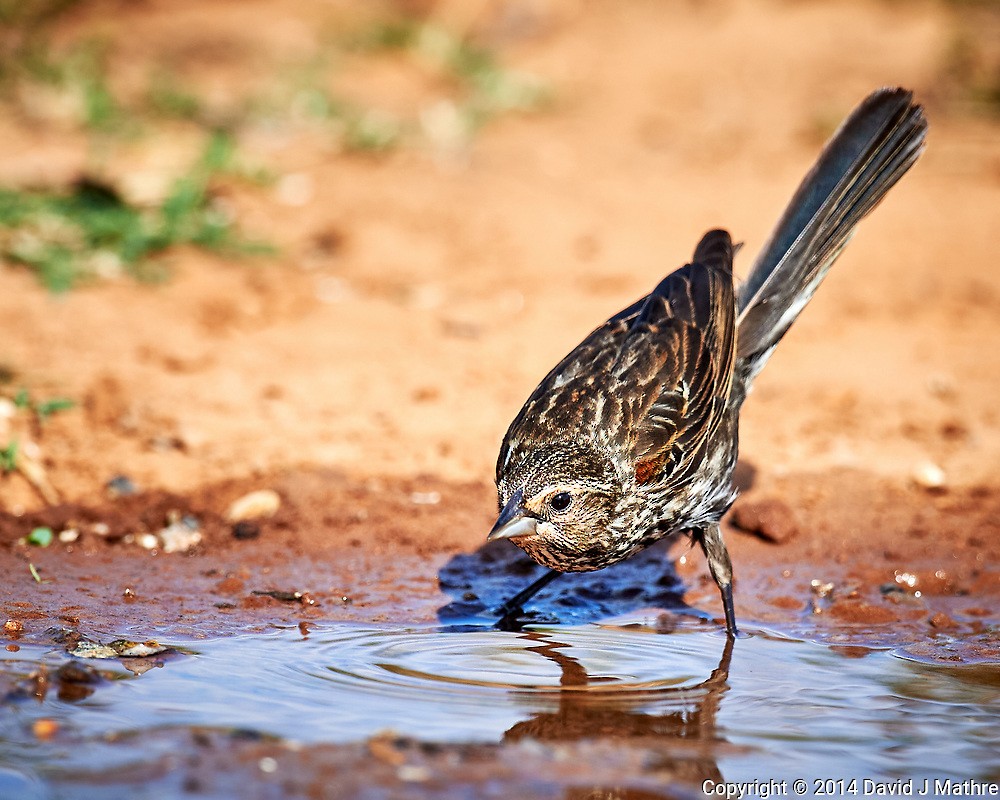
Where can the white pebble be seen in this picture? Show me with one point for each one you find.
(268, 765)
(179, 537)
(425, 498)
(928, 475)
(262, 503)
(148, 541)
(412, 773)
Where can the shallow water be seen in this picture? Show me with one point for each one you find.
(767, 708)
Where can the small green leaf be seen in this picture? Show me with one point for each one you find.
(8, 457)
(41, 537)
(46, 408)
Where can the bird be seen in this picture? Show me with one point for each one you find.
(633, 436)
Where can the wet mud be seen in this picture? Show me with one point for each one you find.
(872, 560)
(356, 659)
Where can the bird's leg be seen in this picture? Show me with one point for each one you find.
(514, 606)
(710, 539)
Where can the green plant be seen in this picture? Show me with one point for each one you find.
(493, 88)
(42, 409)
(90, 231)
(24, 24)
(371, 131)
(969, 72)
(165, 98)
(8, 457)
(40, 537)
(486, 88)
(46, 408)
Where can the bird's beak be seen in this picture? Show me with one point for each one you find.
(515, 520)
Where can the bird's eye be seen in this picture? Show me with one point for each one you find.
(561, 501)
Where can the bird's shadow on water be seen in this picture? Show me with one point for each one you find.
(479, 583)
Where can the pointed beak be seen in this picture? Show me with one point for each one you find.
(514, 520)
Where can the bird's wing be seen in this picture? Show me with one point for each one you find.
(674, 371)
(572, 400)
(651, 379)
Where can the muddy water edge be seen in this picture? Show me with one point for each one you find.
(339, 651)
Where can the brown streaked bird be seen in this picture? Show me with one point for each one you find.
(633, 435)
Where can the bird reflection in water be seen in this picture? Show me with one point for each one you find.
(677, 722)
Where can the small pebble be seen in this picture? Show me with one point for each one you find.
(69, 535)
(928, 475)
(87, 649)
(942, 621)
(13, 627)
(770, 519)
(262, 503)
(180, 536)
(121, 486)
(412, 773)
(385, 749)
(268, 765)
(148, 541)
(425, 498)
(245, 529)
(44, 728)
(128, 649)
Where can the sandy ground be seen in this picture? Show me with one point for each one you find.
(368, 372)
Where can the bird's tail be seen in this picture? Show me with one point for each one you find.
(874, 146)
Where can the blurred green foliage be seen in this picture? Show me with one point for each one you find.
(969, 75)
(486, 88)
(79, 233)
(90, 231)
(8, 457)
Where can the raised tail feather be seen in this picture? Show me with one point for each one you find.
(874, 146)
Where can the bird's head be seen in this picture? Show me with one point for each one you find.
(557, 504)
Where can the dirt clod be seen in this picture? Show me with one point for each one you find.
(771, 519)
(942, 621)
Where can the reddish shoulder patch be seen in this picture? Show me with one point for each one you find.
(646, 470)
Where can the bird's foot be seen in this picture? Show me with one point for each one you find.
(510, 622)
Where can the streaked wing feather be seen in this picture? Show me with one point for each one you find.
(661, 367)
(556, 403)
(696, 306)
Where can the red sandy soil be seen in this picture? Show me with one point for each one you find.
(420, 296)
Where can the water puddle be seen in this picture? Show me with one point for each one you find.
(767, 707)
